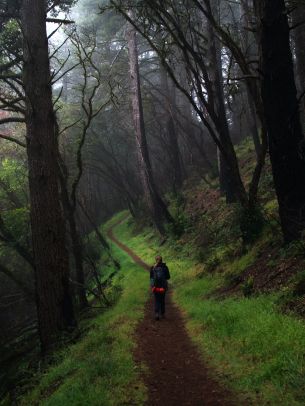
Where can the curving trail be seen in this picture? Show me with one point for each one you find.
(176, 375)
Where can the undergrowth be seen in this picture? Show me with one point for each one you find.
(253, 348)
(251, 345)
(99, 370)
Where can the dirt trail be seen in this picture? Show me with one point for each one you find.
(176, 376)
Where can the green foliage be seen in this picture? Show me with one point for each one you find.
(249, 221)
(181, 222)
(208, 230)
(14, 174)
(255, 349)
(17, 222)
(219, 254)
(299, 289)
(99, 370)
(248, 287)
(15, 213)
(263, 349)
(294, 249)
(241, 263)
(232, 278)
(92, 247)
(211, 263)
(10, 36)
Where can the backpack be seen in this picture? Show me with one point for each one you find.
(159, 280)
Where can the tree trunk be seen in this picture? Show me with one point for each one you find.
(298, 20)
(157, 207)
(54, 304)
(253, 127)
(172, 136)
(226, 174)
(282, 117)
(77, 247)
(249, 41)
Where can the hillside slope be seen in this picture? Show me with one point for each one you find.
(255, 349)
(99, 368)
(243, 297)
(242, 301)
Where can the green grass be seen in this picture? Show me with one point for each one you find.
(253, 348)
(100, 370)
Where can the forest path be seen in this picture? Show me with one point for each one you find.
(176, 376)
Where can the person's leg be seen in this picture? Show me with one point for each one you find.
(157, 305)
(162, 304)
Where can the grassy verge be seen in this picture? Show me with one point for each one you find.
(254, 348)
(99, 370)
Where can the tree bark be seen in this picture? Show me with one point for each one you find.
(249, 41)
(226, 181)
(253, 124)
(172, 136)
(54, 304)
(282, 117)
(158, 209)
(77, 247)
(298, 20)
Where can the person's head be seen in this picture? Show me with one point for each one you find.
(158, 259)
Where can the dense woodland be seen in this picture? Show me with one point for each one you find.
(130, 105)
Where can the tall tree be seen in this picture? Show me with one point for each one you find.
(298, 21)
(221, 123)
(156, 205)
(54, 305)
(179, 22)
(170, 128)
(282, 116)
(248, 41)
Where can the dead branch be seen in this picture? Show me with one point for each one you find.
(12, 139)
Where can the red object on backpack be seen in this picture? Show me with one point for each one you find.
(158, 290)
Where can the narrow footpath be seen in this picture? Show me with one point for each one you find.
(176, 376)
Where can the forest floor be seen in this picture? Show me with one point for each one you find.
(234, 331)
(175, 375)
(248, 343)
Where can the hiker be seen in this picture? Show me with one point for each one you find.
(159, 275)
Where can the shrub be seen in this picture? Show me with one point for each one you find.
(212, 263)
(250, 222)
(232, 279)
(248, 287)
(299, 289)
(181, 222)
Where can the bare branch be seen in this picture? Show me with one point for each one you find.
(64, 73)
(12, 105)
(54, 31)
(11, 76)
(59, 47)
(69, 126)
(59, 21)
(12, 120)
(9, 65)
(12, 139)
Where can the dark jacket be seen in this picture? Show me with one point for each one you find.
(165, 270)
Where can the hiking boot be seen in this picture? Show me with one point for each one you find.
(157, 317)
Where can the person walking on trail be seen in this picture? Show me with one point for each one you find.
(159, 275)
